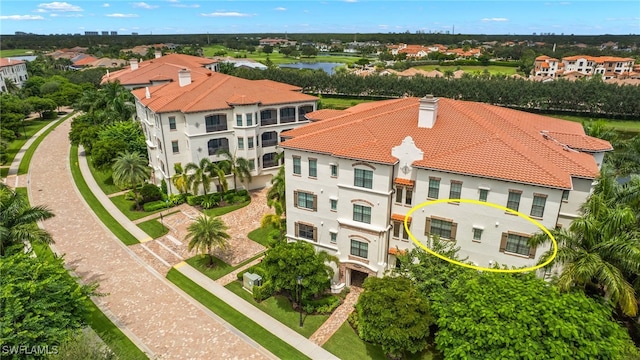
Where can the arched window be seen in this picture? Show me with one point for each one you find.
(269, 139)
(217, 122)
(287, 115)
(269, 160)
(216, 145)
(268, 117)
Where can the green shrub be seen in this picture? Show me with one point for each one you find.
(150, 192)
(243, 192)
(176, 199)
(255, 269)
(263, 291)
(217, 197)
(228, 198)
(163, 187)
(209, 201)
(353, 321)
(325, 305)
(195, 200)
(238, 199)
(130, 195)
(49, 115)
(155, 205)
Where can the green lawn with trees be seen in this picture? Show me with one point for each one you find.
(475, 70)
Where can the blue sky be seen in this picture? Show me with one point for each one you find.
(340, 16)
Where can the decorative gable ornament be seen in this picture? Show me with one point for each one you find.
(406, 153)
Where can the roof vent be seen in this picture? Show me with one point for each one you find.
(147, 93)
(134, 64)
(184, 77)
(428, 112)
(158, 54)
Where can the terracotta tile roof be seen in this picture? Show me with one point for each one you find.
(597, 59)
(323, 114)
(163, 68)
(469, 138)
(9, 62)
(405, 182)
(399, 217)
(87, 60)
(237, 99)
(277, 85)
(212, 93)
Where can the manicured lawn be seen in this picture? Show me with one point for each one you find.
(4, 172)
(493, 69)
(28, 155)
(280, 308)
(118, 230)
(221, 268)
(30, 127)
(225, 209)
(278, 58)
(340, 103)
(249, 327)
(104, 179)
(16, 52)
(261, 236)
(125, 206)
(618, 125)
(117, 341)
(153, 228)
(347, 345)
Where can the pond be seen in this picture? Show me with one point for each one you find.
(328, 67)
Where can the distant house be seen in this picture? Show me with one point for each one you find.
(547, 66)
(14, 70)
(607, 66)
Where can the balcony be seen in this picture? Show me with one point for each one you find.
(270, 142)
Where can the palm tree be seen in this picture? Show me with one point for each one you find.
(129, 171)
(238, 166)
(17, 220)
(207, 234)
(276, 193)
(217, 170)
(180, 180)
(199, 174)
(601, 249)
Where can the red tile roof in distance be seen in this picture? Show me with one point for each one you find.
(213, 93)
(164, 68)
(9, 62)
(469, 138)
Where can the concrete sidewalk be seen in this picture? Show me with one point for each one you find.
(287, 335)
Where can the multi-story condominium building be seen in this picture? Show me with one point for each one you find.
(607, 66)
(353, 175)
(161, 70)
(14, 70)
(192, 119)
(547, 66)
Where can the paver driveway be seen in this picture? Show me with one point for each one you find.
(168, 323)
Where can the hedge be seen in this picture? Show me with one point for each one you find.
(155, 205)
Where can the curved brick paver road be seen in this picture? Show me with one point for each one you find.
(164, 320)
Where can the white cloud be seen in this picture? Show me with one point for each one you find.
(144, 5)
(178, 5)
(117, 15)
(495, 19)
(280, 9)
(21, 17)
(106, 5)
(382, 26)
(226, 14)
(65, 15)
(40, 10)
(59, 6)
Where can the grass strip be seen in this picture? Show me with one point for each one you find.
(23, 168)
(249, 327)
(125, 206)
(27, 131)
(220, 268)
(103, 178)
(280, 308)
(95, 205)
(218, 211)
(117, 341)
(153, 228)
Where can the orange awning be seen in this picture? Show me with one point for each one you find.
(396, 251)
(399, 217)
(405, 182)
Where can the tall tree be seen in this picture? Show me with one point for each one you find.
(18, 220)
(207, 234)
(199, 174)
(180, 180)
(217, 170)
(238, 166)
(130, 169)
(394, 314)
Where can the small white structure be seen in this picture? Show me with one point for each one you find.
(249, 280)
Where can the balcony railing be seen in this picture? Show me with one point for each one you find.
(269, 163)
(267, 143)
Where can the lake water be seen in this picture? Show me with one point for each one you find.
(328, 67)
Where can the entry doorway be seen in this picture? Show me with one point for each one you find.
(357, 277)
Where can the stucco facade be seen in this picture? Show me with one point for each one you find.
(14, 70)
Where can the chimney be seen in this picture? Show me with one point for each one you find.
(158, 54)
(184, 77)
(428, 112)
(134, 64)
(147, 94)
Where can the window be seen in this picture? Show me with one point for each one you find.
(455, 190)
(362, 213)
(399, 230)
(444, 228)
(363, 178)
(216, 123)
(408, 196)
(477, 234)
(334, 237)
(269, 160)
(313, 168)
(240, 143)
(434, 188)
(174, 147)
(297, 167)
(215, 145)
(516, 244)
(399, 195)
(334, 204)
(302, 110)
(513, 202)
(483, 194)
(239, 120)
(249, 119)
(250, 143)
(268, 117)
(359, 248)
(537, 208)
(306, 231)
(159, 144)
(565, 195)
(172, 122)
(269, 138)
(287, 115)
(305, 200)
(334, 170)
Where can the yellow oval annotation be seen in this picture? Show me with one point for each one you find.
(477, 202)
